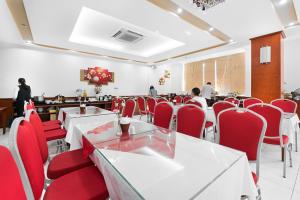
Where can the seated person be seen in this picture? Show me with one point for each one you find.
(196, 97)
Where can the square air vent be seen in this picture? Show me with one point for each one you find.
(127, 36)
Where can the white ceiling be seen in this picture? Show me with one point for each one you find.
(52, 23)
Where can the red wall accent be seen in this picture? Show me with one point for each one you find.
(267, 79)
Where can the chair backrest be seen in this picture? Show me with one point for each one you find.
(24, 147)
(163, 115)
(273, 116)
(285, 105)
(11, 186)
(222, 105)
(250, 101)
(186, 98)
(232, 100)
(117, 104)
(141, 103)
(178, 99)
(192, 102)
(151, 103)
(36, 122)
(244, 130)
(159, 100)
(129, 108)
(191, 120)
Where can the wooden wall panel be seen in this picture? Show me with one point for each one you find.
(266, 79)
(209, 71)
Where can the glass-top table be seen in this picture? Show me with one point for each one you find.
(164, 164)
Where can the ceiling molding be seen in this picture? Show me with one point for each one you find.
(18, 12)
(188, 17)
(286, 13)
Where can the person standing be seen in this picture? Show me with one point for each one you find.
(22, 93)
(195, 97)
(207, 92)
(152, 91)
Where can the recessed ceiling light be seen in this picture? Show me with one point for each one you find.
(210, 29)
(292, 24)
(72, 51)
(231, 40)
(188, 33)
(179, 10)
(28, 42)
(282, 2)
(174, 14)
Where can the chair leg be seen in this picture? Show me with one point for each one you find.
(284, 161)
(290, 154)
(296, 140)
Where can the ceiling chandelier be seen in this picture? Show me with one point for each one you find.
(206, 4)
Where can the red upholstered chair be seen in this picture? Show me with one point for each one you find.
(163, 114)
(274, 135)
(48, 125)
(186, 98)
(190, 120)
(159, 100)
(151, 103)
(178, 99)
(11, 186)
(232, 100)
(129, 108)
(243, 130)
(142, 106)
(222, 105)
(250, 101)
(85, 183)
(286, 105)
(208, 124)
(117, 104)
(62, 163)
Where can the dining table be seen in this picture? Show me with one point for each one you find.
(290, 127)
(150, 162)
(71, 116)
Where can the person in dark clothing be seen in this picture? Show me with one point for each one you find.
(22, 93)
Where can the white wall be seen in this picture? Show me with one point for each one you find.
(291, 64)
(56, 73)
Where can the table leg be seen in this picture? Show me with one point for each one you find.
(282, 153)
(4, 130)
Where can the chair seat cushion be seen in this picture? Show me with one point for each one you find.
(67, 162)
(51, 122)
(52, 127)
(85, 183)
(255, 178)
(276, 141)
(55, 134)
(208, 124)
(145, 112)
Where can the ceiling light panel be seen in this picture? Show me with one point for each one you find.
(94, 28)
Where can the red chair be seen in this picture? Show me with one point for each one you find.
(243, 130)
(117, 104)
(142, 106)
(191, 121)
(48, 125)
(129, 108)
(274, 136)
(220, 106)
(178, 99)
(186, 98)
(286, 105)
(11, 186)
(159, 100)
(208, 124)
(250, 101)
(163, 114)
(62, 163)
(85, 183)
(232, 100)
(151, 103)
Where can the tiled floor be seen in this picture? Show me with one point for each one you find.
(273, 185)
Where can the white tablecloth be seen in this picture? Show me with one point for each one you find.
(290, 126)
(73, 119)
